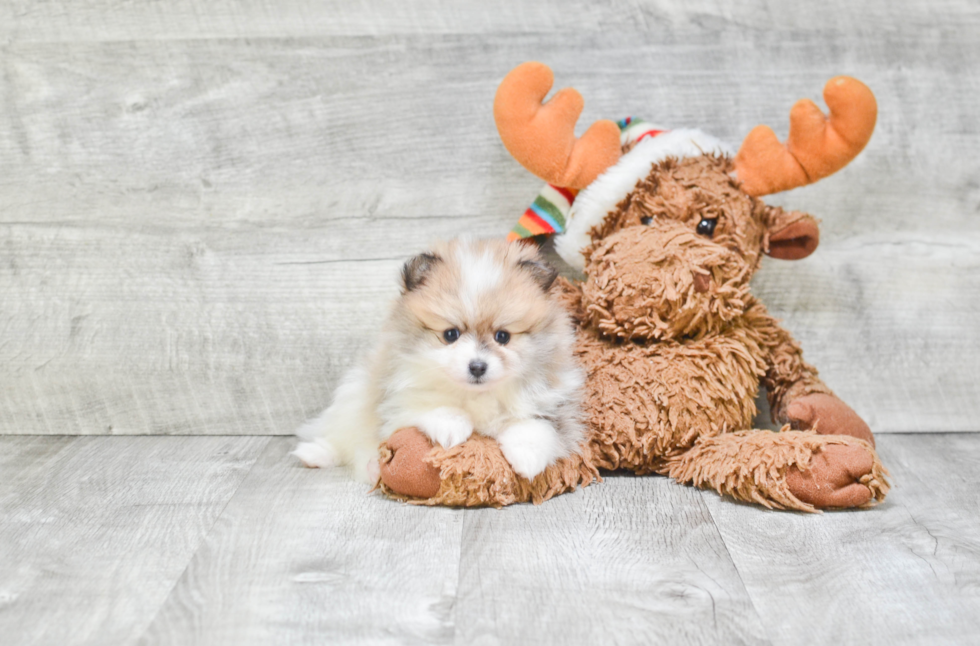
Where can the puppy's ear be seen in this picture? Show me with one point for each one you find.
(416, 269)
(543, 273)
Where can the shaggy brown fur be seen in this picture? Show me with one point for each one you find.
(476, 474)
(752, 465)
(676, 348)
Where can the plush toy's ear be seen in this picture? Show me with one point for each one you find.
(790, 235)
(415, 270)
(543, 273)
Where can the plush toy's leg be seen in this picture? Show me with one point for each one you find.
(472, 474)
(786, 470)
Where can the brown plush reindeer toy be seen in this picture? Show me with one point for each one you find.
(668, 228)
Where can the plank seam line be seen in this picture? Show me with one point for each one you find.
(459, 575)
(205, 535)
(334, 261)
(738, 572)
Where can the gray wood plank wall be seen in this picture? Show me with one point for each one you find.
(203, 205)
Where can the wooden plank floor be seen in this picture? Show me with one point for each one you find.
(95, 532)
(226, 540)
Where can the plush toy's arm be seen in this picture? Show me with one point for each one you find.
(796, 394)
(788, 376)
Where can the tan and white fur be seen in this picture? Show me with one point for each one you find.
(475, 343)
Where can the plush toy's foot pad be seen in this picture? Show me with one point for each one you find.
(838, 476)
(827, 415)
(403, 469)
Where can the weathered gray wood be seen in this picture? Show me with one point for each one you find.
(101, 20)
(96, 531)
(890, 322)
(906, 572)
(246, 331)
(104, 541)
(159, 161)
(629, 561)
(202, 210)
(305, 555)
(308, 556)
(285, 131)
(134, 330)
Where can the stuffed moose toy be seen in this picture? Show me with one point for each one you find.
(668, 228)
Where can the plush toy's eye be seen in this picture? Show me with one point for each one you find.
(646, 219)
(706, 226)
(450, 335)
(502, 337)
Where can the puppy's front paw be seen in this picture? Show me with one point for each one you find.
(530, 446)
(316, 455)
(446, 426)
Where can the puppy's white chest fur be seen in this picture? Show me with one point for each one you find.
(487, 412)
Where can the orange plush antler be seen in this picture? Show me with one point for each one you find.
(542, 137)
(817, 146)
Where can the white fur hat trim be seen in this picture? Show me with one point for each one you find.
(600, 197)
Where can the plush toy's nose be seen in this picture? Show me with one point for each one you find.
(478, 368)
(702, 282)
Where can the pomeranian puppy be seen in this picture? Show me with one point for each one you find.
(474, 343)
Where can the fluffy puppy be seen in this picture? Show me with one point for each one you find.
(474, 343)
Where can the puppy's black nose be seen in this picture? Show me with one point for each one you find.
(478, 368)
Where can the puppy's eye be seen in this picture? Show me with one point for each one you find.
(706, 226)
(450, 335)
(502, 337)
(646, 219)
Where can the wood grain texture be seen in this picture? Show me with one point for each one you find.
(308, 556)
(890, 324)
(96, 531)
(167, 540)
(141, 330)
(906, 572)
(135, 331)
(292, 130)
(629, 561)
(105, 20)
(164, 167)
(228, 540)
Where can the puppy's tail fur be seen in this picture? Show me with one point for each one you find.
(346, 433)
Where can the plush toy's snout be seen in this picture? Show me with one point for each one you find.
(662, 281)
